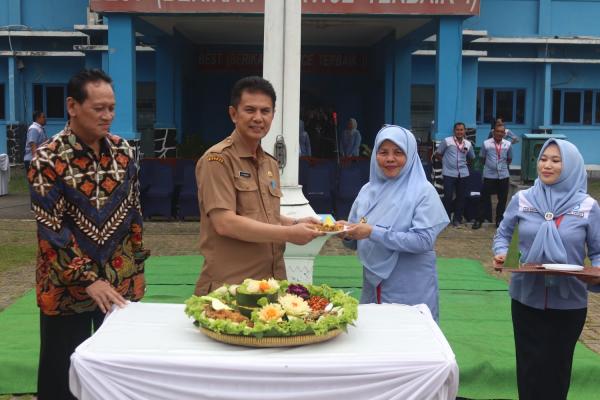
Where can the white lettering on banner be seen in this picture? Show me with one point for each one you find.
(159, 2)
(315, 7)
(328, 1)
(413, 1)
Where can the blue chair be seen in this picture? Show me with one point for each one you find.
(158, 199)
(145, 175)
(351, 179)
(320, 180)
(187, 201)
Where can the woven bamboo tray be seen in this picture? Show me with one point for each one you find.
(270, 341)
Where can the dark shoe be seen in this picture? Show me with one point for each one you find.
(476, 225)
(455, 223)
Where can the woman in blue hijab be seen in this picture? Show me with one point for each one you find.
(350, 140)
(556, 220)
(394, 223)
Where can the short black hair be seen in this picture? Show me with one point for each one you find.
(76, 85)
(251, 84)
(37, 114)
(459, 123)
(495, 120)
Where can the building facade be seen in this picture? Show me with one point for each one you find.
(421, 64)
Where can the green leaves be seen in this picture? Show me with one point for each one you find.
(345, 311)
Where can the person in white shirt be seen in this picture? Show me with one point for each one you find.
(36, 135)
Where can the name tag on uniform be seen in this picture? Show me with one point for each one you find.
(245, 174)
(576, 213)
(528, 209)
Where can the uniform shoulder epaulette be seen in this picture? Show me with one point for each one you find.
(215, 157)
(222, 145)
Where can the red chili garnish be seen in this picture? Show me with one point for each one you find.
(317, 303)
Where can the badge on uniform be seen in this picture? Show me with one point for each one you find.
(269, 174)
(216, 158)
(245, 174)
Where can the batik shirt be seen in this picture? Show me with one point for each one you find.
(89, 222)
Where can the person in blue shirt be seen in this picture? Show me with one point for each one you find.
(496, 155)
(558, 222)
(36, 136)
(305, 150)
(394, 223)
(350, 140)
(454, 151)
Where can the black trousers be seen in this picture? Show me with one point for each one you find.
(544, 343)
(59, 336)
(490, 186)
(452, 185)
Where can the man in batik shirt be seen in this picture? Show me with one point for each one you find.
(86, 202)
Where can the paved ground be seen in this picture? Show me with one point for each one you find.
(181, 238)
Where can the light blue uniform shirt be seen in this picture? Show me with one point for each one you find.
(35, 134)
(305, 150)
(496, 167)
(414, 278)
(350, 143)
(579, 228)
(454, 160)
(508, 135)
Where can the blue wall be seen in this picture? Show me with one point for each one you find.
(521, 17)
(577, 76)
(506, 18)
(48, 70)
(423, 70)
(510, 76)
(47, 14)
(572, 17)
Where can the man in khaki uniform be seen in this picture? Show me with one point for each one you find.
(242, 234)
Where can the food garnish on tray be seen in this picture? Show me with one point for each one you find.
(271, 308)
(329, 225)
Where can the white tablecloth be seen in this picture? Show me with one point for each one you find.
(153, 351)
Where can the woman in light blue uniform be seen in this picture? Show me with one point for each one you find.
(395, 221)
(556, 219)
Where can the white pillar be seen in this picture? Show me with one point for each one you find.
(281, 67)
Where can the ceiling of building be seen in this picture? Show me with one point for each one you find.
(248, 30)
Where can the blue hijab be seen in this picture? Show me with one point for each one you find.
(569, 190)
(394, 202)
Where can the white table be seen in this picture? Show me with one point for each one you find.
(153, 351)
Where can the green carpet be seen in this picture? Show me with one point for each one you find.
(474, 311)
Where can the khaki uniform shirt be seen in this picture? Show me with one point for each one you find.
(230, 178)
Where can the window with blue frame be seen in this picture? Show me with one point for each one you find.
(50, 99)
(575, 107)
(506, 103)
(2, 103)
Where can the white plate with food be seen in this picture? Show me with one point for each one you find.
(563, 267)
(332, 230)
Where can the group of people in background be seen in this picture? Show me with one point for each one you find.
(348, 142)
(457, 153)
(85, 173)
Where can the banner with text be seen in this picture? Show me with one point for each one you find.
(310, 62)
(370, 7)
